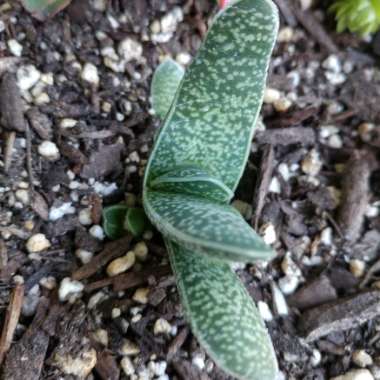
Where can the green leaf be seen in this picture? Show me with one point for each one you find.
(136, 221)
(215, 229)
(42, 9)
(192, 181)
(223, 316)
(113, 221)
(214, 112)
(165, 82)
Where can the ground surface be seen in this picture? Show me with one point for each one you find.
(313, 182)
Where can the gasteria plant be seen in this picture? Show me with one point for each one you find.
(42, 9)
(358, 16)
(195, 166)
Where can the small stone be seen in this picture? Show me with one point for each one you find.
(121, 264)
(328, 130)
(362, 359)
(130, 49)
(85, 217)
(23, 196)
(283, 169)
(31, 301)
(15, 47)
(162, 326)
(84, 256)
(271, 95)
(268, 232)
(326, 236)
(141, 295)
(335, 141)
(316, 358)
(27, 77)
(68, 123)
(69, 287)
(79, 366)
(141, 251)
(49, 150)
(56, 213)
(356, 374)
(285, 34)
(42, 99)
(312, 163)
(129, 348)
(332, 63)
(199, 361)
(357, 267)
(97, 232)
(37, 243)
(288, 284)
(282, 105)
(183, 58)
(365, 130)
(115, 313)
(127, 366)
(49, 282)
(279, 302)
(101, 336)
(265, 311)
(275, 186)
(99, 5)
(90, 74)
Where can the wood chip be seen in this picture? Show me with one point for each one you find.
(266, 171)
(287, 136)
(341, 315)
(11, 105)
(106, 366)
(11, 319)
(355, 195)
(111, 251)
(10, 138)
(177, 343)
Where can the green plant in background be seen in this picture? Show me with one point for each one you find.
(196, 163)
(358, 16)
(42, 9)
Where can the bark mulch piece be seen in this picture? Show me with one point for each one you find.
(355, 195)
(287, 136)
(11, 320)
(106, 366)
(340, 315)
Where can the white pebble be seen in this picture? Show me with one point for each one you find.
(141, 295)
(271, 95)
(130, 49)
(84, 256)
(90, 74)
(141, 251)
(265, 311)
(288, 284)
(68, 123)
(316, 358)
(268, 233)
(279, 301)
(282, 105)
(362, 358)
(49, 150)
(326, 236)
(162, 326)
(121, 264)
(27, 77)
(69, 287)
(23, 196)
(332, 63)
(84, 217)
(37, 243)
(127, 366)
(129, 348)
(56, 213)
(97, 232)
(199, 361)
(335, 142)
(275, 186)
(312, 163)
(15, 47)
(283, 169)
(357, 267)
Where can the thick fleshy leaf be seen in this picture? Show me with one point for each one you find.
(215, 229)
(212, 118)
(223, 316)
(41, 9)
(136, 221)
(193, 181)
(165, 82)
(113, 221)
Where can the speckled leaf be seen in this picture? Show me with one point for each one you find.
(193, 181)
(41, 9)
(165, 82)
(223, 316)
(216, 107)
(215, 229)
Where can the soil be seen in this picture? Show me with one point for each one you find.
(311, 188)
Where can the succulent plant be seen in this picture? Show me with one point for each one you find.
(41, 9)
(358, 16)
(194, 168)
